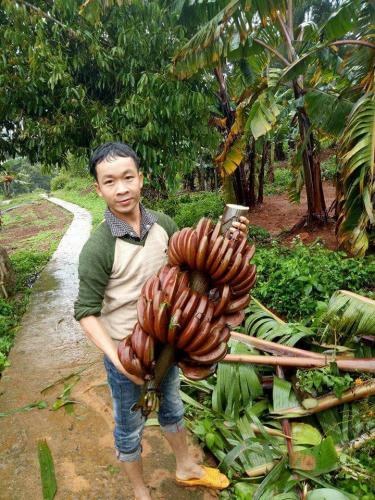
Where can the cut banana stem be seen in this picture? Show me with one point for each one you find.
(273, 347)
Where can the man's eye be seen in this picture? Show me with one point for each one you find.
(108, 182)
(128, 177)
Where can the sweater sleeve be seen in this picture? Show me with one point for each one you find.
(94, 270)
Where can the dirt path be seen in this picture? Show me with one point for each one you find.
(50, 346)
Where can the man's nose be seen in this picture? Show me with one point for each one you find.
(121, 186)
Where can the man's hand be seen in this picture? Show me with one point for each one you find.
(133, 378)
(242, 225)
(98, 335)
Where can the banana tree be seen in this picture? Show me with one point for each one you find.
(256, 30)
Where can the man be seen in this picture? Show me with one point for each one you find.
(125, 250)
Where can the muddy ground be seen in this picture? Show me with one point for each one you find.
(277, 214)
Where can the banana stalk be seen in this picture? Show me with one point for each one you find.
(149, 399)
(273, 347)
(323, 403)
(345, 364)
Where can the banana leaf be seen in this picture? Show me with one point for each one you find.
(349, 315)
(47, 470)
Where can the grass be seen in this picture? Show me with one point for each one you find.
(80, 191)
(6, 203)
(283, 177)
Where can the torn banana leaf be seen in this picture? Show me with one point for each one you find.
(283, 395)
(305, 434)
(40, 405)
(317, 460)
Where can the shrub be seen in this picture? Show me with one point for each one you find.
(293, 280)
(283, 177)
(77, 165)
(60, 181)
(27, 265)
(187, 209)
(329, 169)
(258, 234)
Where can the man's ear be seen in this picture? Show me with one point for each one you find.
(141, 178)
(97, 189)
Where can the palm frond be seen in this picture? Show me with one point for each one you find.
(213, 40)
(236, 385)
(349, 315)
(357, 179)
(261, 322)
(342, 21)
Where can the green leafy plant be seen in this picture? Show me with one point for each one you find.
(293, 280)
(187, 209)
(283, 177)
(317, 381)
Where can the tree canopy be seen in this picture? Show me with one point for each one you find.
(74, 76)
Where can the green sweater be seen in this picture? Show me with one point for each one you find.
(113, 270)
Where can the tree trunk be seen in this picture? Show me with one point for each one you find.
(311, 166)
(262, 169)
(7, 275)
(252, 175)
(279, 153)
(239, 184)
(271, 174)
(216, 183)
(201, 178)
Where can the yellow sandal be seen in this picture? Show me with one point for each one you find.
(212, 478)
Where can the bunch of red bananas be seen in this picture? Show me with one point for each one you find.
(192, 319)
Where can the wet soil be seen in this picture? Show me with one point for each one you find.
(277, 215)
(50, 346)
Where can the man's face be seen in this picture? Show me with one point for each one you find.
(119, 184)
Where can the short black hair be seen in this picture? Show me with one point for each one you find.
(111, 151)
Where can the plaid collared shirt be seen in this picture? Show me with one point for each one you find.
(120, 228)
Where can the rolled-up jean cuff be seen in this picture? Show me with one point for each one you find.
(135, 456)
(175, 427)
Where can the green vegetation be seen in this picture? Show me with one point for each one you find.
(80, 190)
(186, 209)
(283, 178)
(321, 380)
(27, 265)
(292, 281)
(236, 415)
(26, 177)
(70, 103)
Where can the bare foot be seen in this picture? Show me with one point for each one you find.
(189, 471)
(142, 494)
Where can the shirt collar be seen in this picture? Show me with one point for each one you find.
(120, 228)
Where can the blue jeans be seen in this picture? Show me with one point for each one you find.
(129, 424)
